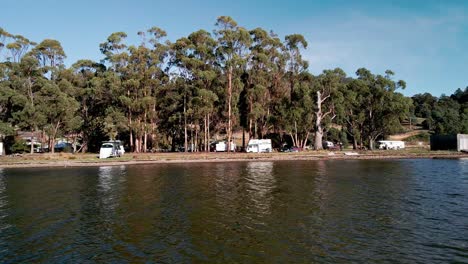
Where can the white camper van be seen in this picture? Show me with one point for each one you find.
(259, 145)
(111, 149)
(391, 144)
(223, 146)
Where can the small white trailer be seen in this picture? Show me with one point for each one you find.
(391, 144)
(259, 145)
(223, 146)
(110, 149)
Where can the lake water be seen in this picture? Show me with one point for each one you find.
(363, 211)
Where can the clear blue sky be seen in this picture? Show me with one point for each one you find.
(423, 42)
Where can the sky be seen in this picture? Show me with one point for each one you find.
(423, 42)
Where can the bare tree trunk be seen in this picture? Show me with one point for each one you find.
(205, 136)
(295, 134)
(293, 138)
(145, 135)
(209, 135)
(318, 124)
(32, 143)
(229, 132)
(132, 147)
(185, 126)
(54, 134)
(304, 143)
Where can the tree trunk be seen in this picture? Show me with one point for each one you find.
(205, 136)
(318, 144)
(209, 135)
(304, 143)
(132, 146)
(229, 132)
(32, 143)
(145, 135)
(296, 141)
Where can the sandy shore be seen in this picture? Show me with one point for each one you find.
(81, 160)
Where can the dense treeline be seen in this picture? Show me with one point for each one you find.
(443, 115)
(160, 95)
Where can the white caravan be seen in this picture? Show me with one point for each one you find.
(259, 145)
(391, 144)
(111, 149)
(223, 146)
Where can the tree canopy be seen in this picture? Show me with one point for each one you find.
(157, 95)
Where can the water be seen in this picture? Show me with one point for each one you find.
(392, 211)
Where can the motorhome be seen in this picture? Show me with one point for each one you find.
(223, 146)
(110, 149)
(328, 145)
(391, 144)
(259, 145)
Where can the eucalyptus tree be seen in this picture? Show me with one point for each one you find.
(145, 74)
(88, 78)
(50, 55)
(295, 63)
(170, 108)
(18, 47)
(157, 77)
(296, 113)
(328, 98)
(261, 81)
(232, 52)
(56, 94)
(117, 56)
(195, 59)
(4, 36)
(56, 102)
(384, 107)
(353, 115)
(27, 80)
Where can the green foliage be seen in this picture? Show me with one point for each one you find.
(424, 137)
(159, 94)
(19, 146)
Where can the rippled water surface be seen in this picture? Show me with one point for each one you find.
(398, 211)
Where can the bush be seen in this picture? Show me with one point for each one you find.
(19, 146)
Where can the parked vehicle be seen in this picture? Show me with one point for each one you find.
(259, 145)
(110, 149)
(391, 144)
(223, 146)
(328, 145)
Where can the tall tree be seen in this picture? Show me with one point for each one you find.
(232, 52)
(327, 95)
(384, 107)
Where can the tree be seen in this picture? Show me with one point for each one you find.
(194, 56)
(261, 82)
(232, 51)
(384, 107)
(327, 95)
(28, 79)
(297, 112)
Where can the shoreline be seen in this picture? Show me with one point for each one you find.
(87, 160)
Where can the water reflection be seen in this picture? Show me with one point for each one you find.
(2, 190)
(260, 183)
(110, 178)
(240, 212)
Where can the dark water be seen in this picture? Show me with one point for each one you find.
(400, 211)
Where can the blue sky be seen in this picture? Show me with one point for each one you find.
(423, 42)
